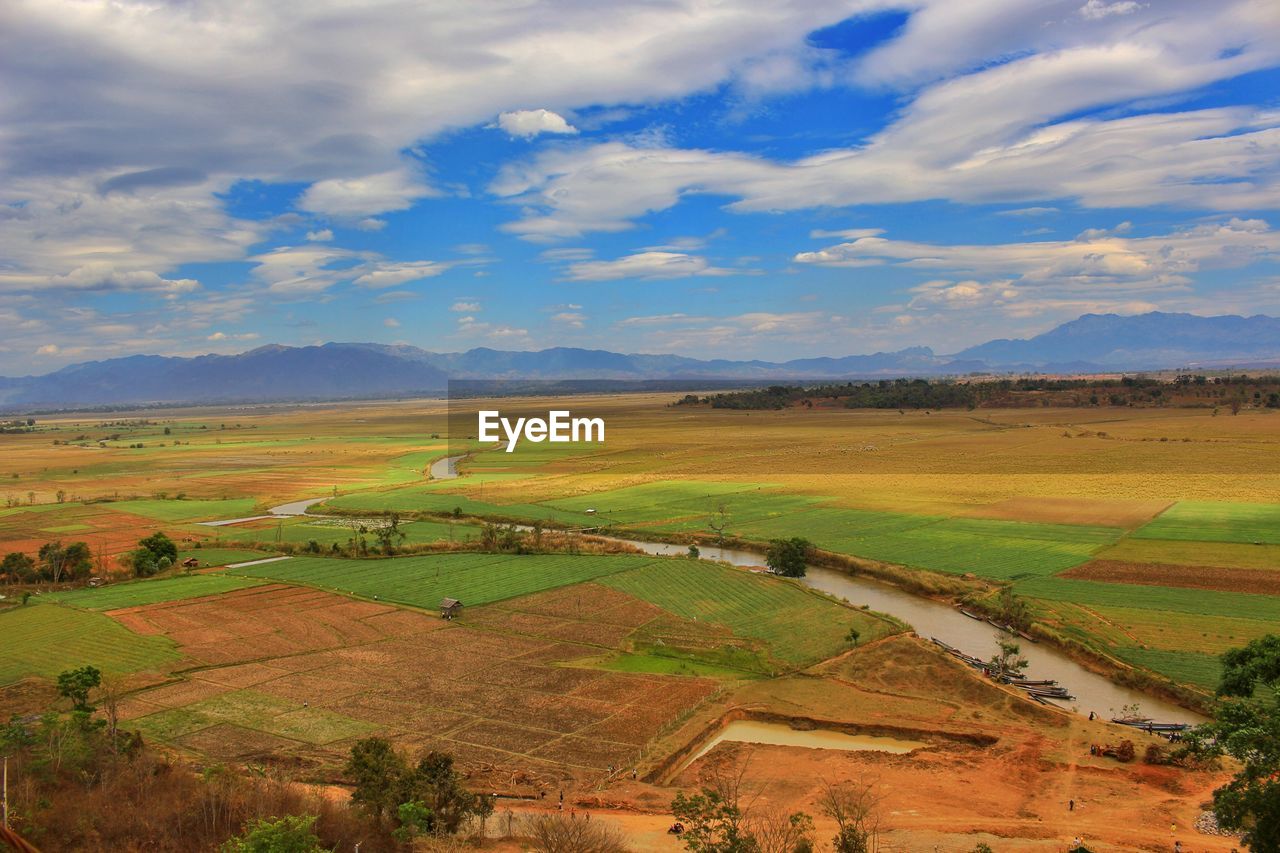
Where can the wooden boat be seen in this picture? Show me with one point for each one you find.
(970, 615)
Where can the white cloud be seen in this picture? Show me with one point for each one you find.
(1024, 129)
(1095, 10)
(390, 274)
(324, 235)
(356, 198)
(646, 265)
(391, 323)
(1100, 270)
(465, 307)
(571, 319)
(530, 123)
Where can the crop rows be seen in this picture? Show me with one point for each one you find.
(1216, 521)
(423, 581)
(45, 639)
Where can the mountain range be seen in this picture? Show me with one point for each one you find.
(1092, 343)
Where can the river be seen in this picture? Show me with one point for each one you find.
(931, 618)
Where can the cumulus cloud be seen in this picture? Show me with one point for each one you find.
(530, 123)
(1099, 270)
(323, 235)
(570, 319)
(356, 198)
(464, 307)
(1017, 130)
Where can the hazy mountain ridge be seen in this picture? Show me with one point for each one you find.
(1093, 342)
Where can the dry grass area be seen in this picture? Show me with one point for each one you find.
(289, 674)
(996, 768)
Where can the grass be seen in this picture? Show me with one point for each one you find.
(303, 530)
(1188, 553)
(257, 711)
(425, 498)
(1192, 601)
(188, 510)
(222, 556)
(422, 581)
(152, 591)
(45, 639)
(797, 626)
(1216, 521)
(1191, 667)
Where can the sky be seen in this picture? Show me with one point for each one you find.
(742, 179)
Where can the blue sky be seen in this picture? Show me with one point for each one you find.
(740, 179)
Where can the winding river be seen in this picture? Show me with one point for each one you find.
(931, 618)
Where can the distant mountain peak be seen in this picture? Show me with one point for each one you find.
(336, 370)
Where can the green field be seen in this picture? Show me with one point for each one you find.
(256, 711)
(188, 510)
(1216, 521)
(153, 591)
(429, 498)
(212, 557)
(1189, 667)
(1174, 600)
(797, 626)
(300, 531)
(422, 581)
(664, 664)
(46, 639)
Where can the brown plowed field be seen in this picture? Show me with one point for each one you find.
(1258, 581)
(312, 667)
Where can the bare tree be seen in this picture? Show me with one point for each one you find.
(855, 807)
(775, 830)
(556, 832)
(719, 521)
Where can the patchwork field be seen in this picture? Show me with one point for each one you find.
(298, 672)
(1154, 511)
(423, 581)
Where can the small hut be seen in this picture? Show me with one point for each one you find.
(191, 563)
(450, 607)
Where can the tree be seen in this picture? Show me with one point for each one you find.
(18, 567)
(1247, 728)
(75, 685)
(719, 522)
(161, 546)
(1008, 660)
(378, 772)
(694, 553)
(854, 806)
(713, 818)
(787, 557)
(389, 534)
(1012, 610)
(290, 834)
(437, 785)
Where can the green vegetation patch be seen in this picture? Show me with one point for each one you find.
(1176, 600)
(422, 581)
(253, 710)
(798, 626)
(426, 498)
(1189, 667)
(151, 591)
(302, 530)
(1216, 521)
(185, 510)
(45, 639)
(1189, 553)
(212, 557)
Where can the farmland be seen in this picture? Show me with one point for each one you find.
(299, 672)
(45, 639)
(1102, 507)
(423, 581)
